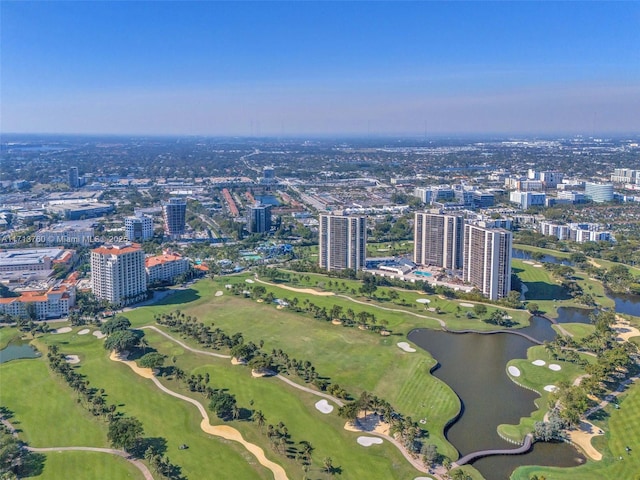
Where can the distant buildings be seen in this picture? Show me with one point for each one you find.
(598, 192)
(18, 266)
(343, 242)
(487, 260)
(527, 200)
(74, 179)
(577, 232)
(165, 267)
(80, 211)
(118, 273)
(259, 218)
(174, 214)
(626, 175)
(138, 228)
(67, 233)
(438, 240)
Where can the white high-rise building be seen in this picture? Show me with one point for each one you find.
(343, 242)
(487, 260)
(118, 274)
(138, 228)
(438, 240)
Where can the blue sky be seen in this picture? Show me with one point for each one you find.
(274, 68)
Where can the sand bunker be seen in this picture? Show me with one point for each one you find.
(406, 347)
(624, 330)
(219, 293)
(515, 371)
(555, 367)
(84, 331)
(248, 280)
(528, 262)
(550, 388)
(336, 321)
(537, 265)
(228, 286)
(61, 330)
(72, 359)
(324, 406)
(310, 291)
(368, 441)
(467, 305)
(582, 437)
(539, 363)
(98, 334)
(423, 300)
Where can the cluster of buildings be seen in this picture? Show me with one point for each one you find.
(121, 274)
(577, 232)
(482, 254)
(462, 196)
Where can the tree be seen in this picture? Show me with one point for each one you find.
(533, 308)
(479, 309)
(152, 360)
(125, 432)
(121, 340)
(115, 324)
(259, 418)
(430, 454)
(327, 464)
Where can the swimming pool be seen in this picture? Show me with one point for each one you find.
(422, 274)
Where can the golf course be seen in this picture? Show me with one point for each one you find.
(344, 344)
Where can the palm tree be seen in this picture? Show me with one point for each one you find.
(259, 418)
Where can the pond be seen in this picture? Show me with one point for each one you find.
(629, 304)
(17, 350)
(525, 255)
(474, 365)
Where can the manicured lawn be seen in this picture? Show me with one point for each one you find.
(87, 466)
(280, 402)
(577, 330)
(374, 363)
(536, 378)
(161, 415)
(7, 334)
(45, 409)
(623, 430)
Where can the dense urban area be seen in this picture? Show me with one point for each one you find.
(180, 252)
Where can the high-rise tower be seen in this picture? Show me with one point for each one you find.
(487, 260)
(438, 240)
(343, 242)
(174, 214)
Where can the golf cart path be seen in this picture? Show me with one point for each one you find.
(120, 453)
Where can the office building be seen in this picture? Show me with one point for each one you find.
(259, 218)
(527, 200)
(138, 228)
(438, 240)
(343, 242)
(598, 192)
(74, 179)
(118, 274)
(626, 175)
(487, 260)
(174, 214)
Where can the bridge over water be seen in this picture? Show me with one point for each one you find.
(526, 446)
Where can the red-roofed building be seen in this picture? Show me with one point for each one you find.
(165, 267)
(118, 274)
(53, 303)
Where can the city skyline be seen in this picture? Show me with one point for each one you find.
(313, 68)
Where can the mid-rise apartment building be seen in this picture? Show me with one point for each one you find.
(118, 274)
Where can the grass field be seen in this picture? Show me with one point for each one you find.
(357, 360)
(623, 430)
(87, 466)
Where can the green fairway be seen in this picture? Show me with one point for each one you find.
(87, 466)
(162, 416)
(623, 429)
(374, 363)
(280, 402)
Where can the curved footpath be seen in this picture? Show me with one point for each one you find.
(223, 431)
(184, 345)
(120, 453)
(526, 446)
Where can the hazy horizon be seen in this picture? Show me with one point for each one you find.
(285, 69)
